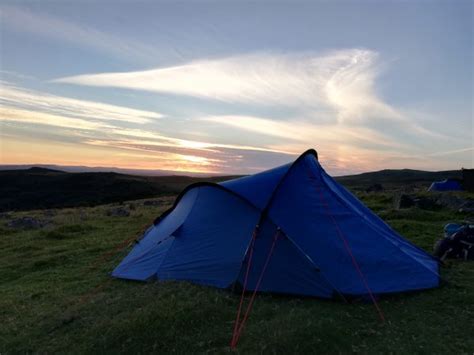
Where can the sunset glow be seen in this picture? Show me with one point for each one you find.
(85, 90)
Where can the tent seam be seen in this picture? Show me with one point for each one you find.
(264, 211)
(174, 238)
(264, 214)
(371, 226)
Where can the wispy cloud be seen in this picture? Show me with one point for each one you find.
(136, 139)
(337, 87)
(304, 132)
(451, 152)
(16, 75)
(114, 129)
(338, 84)
(332, 97)
(20, 97)
(12, 114)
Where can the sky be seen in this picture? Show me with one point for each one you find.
(233, 87)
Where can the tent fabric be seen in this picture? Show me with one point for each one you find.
(446, 185)
(320, 227)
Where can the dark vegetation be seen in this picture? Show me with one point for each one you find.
(36, 188)
(56, 295)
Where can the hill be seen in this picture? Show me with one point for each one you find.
(38, 187)
(96, 169)
(397, 178)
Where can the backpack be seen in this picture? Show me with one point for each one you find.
(458, 242)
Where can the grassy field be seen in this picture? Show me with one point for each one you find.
(56, 296)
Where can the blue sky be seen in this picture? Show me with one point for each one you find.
(237, 87)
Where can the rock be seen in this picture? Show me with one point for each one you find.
(374, 188)
(426, 203)
(467, 206)
(49, 213)
(153, 203)
(118, 212)
(451, 201)
(423, 202)
(5, 215)
(27, 223)
(403, 201)
(82, 215)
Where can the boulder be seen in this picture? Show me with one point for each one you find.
(5, 215)
(408, 200)
(374, 188)
(83, 215)
(403, 201)
(118, 212)
(451, 201)
(153, 203)
(50, 213)
(27, 223)
(426, 203)
(467, 207)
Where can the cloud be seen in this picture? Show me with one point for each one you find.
(351, 148)
(16, 75)
(108, 132)
(281, 129)
(336, 88)
(139, 138)
(450, 152)
(338, 84)
(29, 99)
(304, 132)
(11, 114)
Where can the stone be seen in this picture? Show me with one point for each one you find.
(374, 188)
(403, 201)
(426, 203)
(467, 207)
(453, 201)
(26, 223)
(153, 203)
(409, 200)
(49, 213)
(118, 212)
(5, 215)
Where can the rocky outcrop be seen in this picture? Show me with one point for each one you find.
(27, 223)
(435, 201)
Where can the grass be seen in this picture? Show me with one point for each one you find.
(56, 297)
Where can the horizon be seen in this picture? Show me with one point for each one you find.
(224, 89)
(165, 173)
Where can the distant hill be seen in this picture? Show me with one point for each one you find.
(40, 187)
(97, 169)
(396, 178)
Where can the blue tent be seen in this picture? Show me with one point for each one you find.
(316, 238)
(446, 185)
